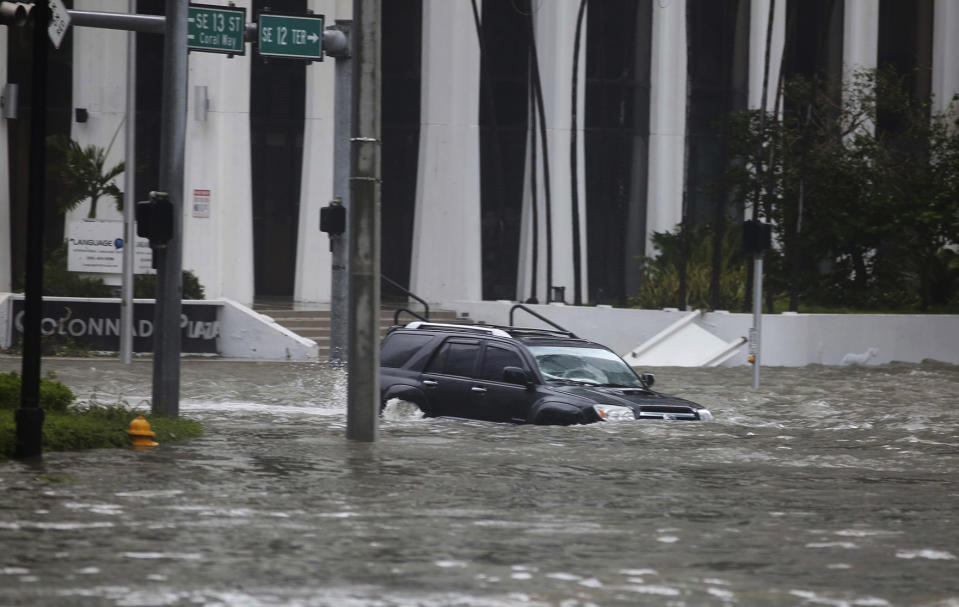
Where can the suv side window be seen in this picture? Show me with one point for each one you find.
(497, 358)
(399, 347)
(455, 358)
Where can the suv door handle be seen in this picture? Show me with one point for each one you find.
(431, 383)
(478, 389)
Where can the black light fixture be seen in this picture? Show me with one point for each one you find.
(81, 114)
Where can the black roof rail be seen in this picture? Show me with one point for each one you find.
(546, 333)
(484, 329)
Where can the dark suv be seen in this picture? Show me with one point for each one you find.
(510, 374)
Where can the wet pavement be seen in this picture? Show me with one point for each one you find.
(828, 486)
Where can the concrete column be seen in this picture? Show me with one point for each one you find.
(446, 256)
(758, 17)
(218, 207)
(555, 29)
(860, 36)
(667, 119)
(313, 261)
(5, 252)
(945, 53)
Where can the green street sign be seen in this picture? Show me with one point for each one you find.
(291, 36)
(216, 29)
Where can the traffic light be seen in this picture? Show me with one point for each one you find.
(333, 218)
(155, 219)
(15, 13)
(757, 236)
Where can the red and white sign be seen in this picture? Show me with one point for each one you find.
(201, 203)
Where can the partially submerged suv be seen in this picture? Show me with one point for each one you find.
(518, 375)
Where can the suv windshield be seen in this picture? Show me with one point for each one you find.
(587, 365)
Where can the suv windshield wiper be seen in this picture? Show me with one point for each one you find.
(569, 380)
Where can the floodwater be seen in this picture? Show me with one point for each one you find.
(828, 486)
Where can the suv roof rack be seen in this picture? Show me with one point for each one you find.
(418, 324)
(530, 332)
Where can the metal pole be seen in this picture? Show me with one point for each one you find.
(756, 337)
(363, 404)
(29, 417)
(339, 243)
(148, 24)
(129, 199)
(169, 259)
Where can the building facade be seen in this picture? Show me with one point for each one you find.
(530, 147)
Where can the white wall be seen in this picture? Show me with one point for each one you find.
(99, 85)
(945, 52)
(788, 340)
(313, 258)
(446, 233)
(555, 29)
(667, 119)
(219, 248)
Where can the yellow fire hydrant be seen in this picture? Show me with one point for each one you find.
(140, 434)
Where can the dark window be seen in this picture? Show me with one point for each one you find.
(398, 348)
(814, 43)
(504, 97)
(277, 110)
(400, 93)
(718, 34)
(905, 45)
(616, 123)
(455, 358)
(497, 359)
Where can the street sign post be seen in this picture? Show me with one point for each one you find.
(216, 29)
(291, 36)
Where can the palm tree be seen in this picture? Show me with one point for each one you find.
(81, 174)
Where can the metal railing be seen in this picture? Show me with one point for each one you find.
(408, 293)
(539, 316)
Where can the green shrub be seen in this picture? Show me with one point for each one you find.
(59, 282)
(54, 396)
(144, 286)
(659, 287)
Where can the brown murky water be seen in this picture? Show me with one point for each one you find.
(828, 486)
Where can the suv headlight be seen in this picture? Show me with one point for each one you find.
(613, 413)
(704, 414)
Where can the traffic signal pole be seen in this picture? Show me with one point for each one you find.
(29, 417)
(340, 243)
(169, 258)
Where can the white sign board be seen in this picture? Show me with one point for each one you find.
(96, 245)
(59, 22)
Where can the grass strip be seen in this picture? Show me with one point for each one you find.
(95, 427)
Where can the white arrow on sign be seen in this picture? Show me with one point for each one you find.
(312, 37)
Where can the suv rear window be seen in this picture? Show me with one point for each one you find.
(399, 347)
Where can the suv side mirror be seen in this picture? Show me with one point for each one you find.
(648, 379)
(515, 375)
